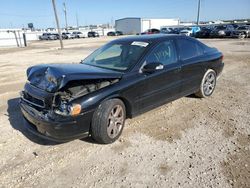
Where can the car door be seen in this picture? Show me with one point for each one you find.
(162, 85)
(190, 54)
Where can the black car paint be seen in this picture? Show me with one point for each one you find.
(140, 92)
(65, 73)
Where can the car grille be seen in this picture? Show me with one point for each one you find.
(32, 100)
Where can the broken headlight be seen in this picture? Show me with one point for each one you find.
(68, 109)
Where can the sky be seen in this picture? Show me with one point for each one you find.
(18, 13)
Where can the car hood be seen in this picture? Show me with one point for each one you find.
(53, 77)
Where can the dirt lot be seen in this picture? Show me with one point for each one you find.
(188, 143)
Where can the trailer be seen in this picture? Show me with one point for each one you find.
(133, 25)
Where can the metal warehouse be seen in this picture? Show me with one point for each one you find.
(138, 25)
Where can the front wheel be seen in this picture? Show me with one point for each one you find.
(108, 121)
(208, 84)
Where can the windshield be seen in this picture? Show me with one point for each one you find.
(120, 56)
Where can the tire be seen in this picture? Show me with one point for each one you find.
(102, 129)
(208, 84)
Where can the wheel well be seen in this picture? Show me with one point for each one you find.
(128, 106)
(211, 68)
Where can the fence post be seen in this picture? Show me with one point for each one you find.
(16, 38)
(24, 40)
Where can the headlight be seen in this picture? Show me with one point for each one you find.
(66, 110)
(75, 109)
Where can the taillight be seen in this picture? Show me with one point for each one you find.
(222, 57)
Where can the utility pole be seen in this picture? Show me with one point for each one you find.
(198, 14)
(57, 23)
(65, 15)
(77, 22)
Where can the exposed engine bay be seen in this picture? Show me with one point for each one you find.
(75, 90)
(80, 88)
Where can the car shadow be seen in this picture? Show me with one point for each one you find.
(89, 139)
(193, 96)
(16, 121)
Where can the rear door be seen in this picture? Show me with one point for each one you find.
(190, 54)
(162, 85)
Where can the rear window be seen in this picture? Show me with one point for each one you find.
(189, 49)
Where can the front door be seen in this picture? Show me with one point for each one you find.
(162, 85)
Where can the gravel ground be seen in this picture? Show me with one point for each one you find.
(190, 142)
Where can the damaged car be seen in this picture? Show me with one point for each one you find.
(122, 79)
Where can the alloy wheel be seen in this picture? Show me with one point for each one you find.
(115, 121)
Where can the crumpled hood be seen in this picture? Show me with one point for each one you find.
(52, 77)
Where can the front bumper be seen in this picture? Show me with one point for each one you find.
(59, 130)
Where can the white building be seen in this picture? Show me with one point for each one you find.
(138, 25)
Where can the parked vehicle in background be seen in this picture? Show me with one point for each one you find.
(168, 30)
(151, 31)
(64, 36)
(195, 29)
(190, 31)
(187, 31)
(49, 36)
(203, 33)
(68, 35)
(221, 31)
(120, 80)
(241, 32)
(118, 33)
(177, 30)
(93, 34)
(114, 33)
(165, 30)
(56, 36)
(111, 33)
(78, 34)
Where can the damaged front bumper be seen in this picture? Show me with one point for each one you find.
(58, 129)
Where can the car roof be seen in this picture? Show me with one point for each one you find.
(149, 38)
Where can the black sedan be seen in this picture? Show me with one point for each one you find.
(93, 34)
(114, 33)
(120, 80)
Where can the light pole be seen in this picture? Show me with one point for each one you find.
(65, 15)
(57, 23)
(198, 13)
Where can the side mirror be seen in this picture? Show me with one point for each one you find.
(152, 67)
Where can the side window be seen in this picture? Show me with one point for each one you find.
(188, 49)
(163, 53)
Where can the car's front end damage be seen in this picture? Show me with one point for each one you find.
(58, 102)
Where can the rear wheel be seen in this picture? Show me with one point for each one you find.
(208, 84)
(108, 121)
